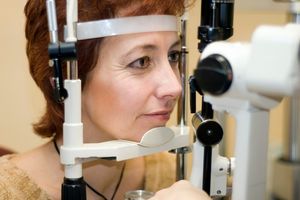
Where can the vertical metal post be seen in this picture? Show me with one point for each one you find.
(286, 169)
(182, 103)
(181, 153)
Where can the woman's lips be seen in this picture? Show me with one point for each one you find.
(163, 116)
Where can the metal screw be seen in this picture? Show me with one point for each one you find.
(51, 63)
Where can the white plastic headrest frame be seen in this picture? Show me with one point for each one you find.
(126, 25)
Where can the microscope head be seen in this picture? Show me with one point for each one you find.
(259, 73)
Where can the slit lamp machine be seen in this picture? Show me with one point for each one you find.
(245, 80)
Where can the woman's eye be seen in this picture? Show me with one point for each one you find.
(174, 56)
(140, 63)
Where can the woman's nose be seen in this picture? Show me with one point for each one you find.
(169, 82)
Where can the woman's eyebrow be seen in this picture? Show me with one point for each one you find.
(147, 47)
(175, 44)
(142, 47)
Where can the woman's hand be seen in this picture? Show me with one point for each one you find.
(181, 190)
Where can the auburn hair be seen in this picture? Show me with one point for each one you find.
(37, 36)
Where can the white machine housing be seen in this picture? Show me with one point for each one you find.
(264, 71)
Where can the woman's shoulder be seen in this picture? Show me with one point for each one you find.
(16, 184)
(160, 171)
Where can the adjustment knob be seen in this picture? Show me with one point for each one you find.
(209, 133)
(214, 74)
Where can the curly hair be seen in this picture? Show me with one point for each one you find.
(37, 36)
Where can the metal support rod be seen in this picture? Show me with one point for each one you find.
(182, 103)
(293, 139)
(181, 153)
(72, 70)
(288, 166)
(52, 21)
(181, 161)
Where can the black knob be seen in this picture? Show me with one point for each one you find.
(209, 133)
(214, 74)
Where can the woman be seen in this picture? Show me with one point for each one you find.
(130, 84)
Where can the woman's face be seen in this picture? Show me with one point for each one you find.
(134, 86)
